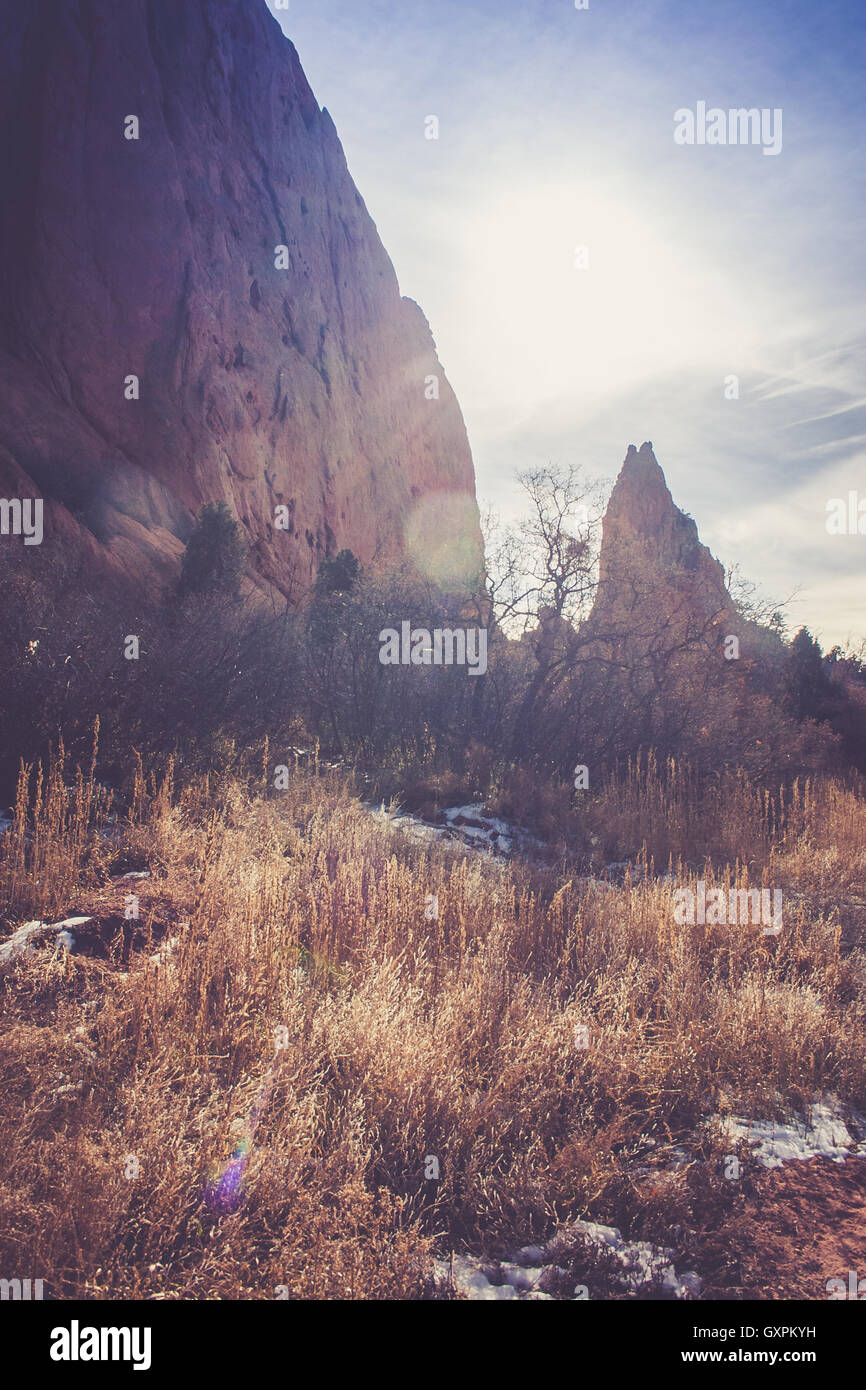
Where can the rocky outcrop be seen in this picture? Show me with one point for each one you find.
(226, 261)
(653, 569)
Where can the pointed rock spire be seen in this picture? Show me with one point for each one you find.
(650, 550)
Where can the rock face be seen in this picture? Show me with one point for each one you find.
(295, 378)
(652, 566)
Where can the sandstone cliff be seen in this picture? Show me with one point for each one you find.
(300, 387)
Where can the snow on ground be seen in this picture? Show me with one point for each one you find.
(162, 955)
(823, 1133)
(641, 1263)
(467, 1277)
(23, 938)
(411, 826)
(468, 825)
(534, 1274)
(471, 825)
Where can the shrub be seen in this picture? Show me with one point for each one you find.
(214, 555)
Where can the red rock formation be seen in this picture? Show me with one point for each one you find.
(652, 566)
(301, 387)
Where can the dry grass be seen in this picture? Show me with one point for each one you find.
(670, 813)
(403, 1037)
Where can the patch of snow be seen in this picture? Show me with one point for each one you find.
(640, 1262)
(422, 832)
(692, 1283)
(465, 1276)
(413, 827)
(22, 939)
(467, 825)
(162, 953)
(637, 1264)
(476, 819)
(823, 1134)
(474, 827)
(522, 1278)
(530, 1255)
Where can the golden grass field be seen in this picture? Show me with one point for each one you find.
(292, 990)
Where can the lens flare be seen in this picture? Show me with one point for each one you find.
(224, 1194)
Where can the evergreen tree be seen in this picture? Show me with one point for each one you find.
(806, 687)
(338, 576)
(213, 561)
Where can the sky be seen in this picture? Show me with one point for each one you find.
(702, 262)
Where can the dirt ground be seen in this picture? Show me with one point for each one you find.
(807, 1226)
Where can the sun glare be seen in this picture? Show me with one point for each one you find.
(577, 289)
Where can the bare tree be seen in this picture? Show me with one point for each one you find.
(550, 561)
